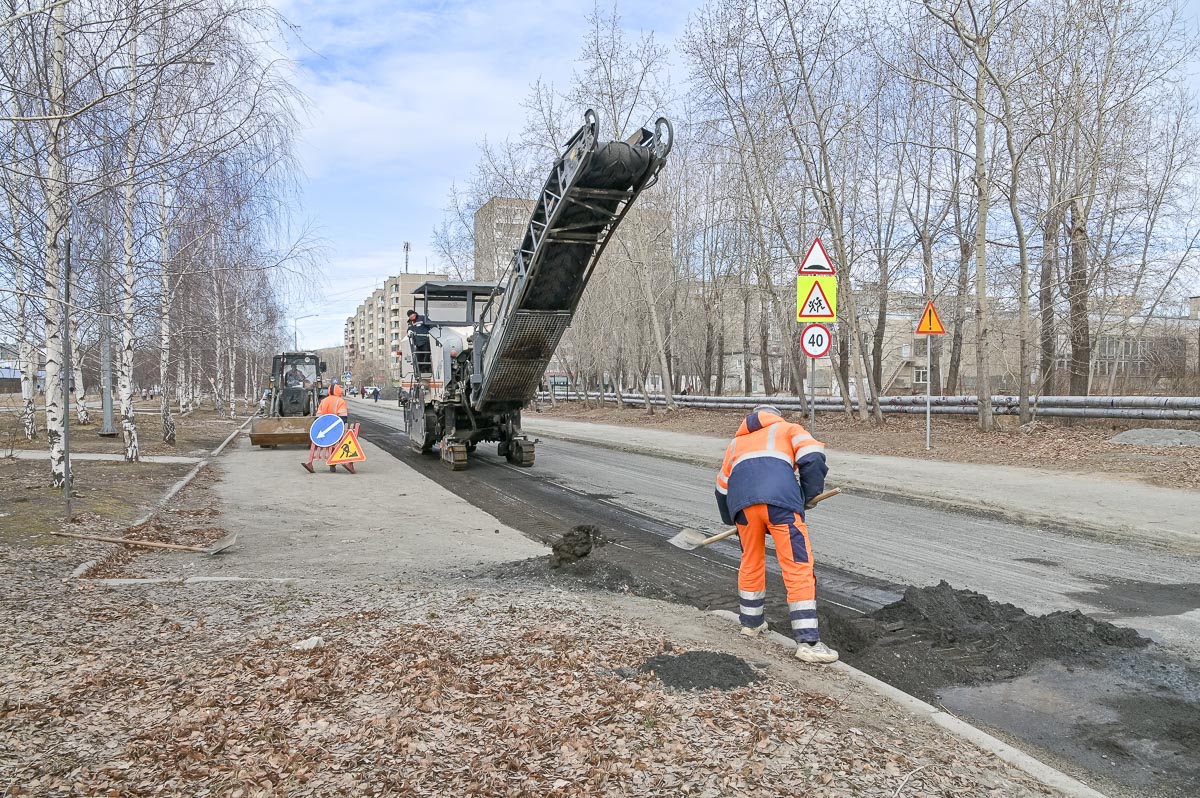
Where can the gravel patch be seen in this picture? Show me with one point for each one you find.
(1157, 438)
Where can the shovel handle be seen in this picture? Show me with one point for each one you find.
(811, 503)
(127, 542)
(820, 497)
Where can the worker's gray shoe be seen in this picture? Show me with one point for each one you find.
(754, 631)
(817, 653)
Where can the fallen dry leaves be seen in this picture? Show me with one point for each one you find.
(450, 690)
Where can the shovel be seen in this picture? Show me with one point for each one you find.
(216, 548)
(690, 539)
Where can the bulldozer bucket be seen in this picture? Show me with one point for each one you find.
(266, 432)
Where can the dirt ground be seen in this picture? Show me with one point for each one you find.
(1079, 447)
(197, 433)
(449, 689)
(106, 494)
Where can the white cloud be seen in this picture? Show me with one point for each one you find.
(401, 96)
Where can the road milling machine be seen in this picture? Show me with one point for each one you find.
(290, 400)
(483, 348)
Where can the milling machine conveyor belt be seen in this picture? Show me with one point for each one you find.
(590, 188)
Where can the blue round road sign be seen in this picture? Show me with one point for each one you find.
(326, 430)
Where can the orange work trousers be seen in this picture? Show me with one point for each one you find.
(790, 534)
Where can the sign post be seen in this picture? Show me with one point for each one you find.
(816, 301)
(815, 341)
(930, 325)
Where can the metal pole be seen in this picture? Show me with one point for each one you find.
(928, 383)
(296, 335)
(66, 382)
(812, 390)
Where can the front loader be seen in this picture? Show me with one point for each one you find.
(290, 401)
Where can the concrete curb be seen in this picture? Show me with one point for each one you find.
(932, 501)
(191, 580)
(1051, 777)
(183, 483)
(80, 573)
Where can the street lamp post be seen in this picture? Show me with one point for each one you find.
(296, 328)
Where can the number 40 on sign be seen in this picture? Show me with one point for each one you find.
(815, 340)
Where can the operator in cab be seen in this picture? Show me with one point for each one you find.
(294, 378)
(334, 404)
(418, 336)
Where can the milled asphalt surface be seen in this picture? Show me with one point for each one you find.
(1038, 569)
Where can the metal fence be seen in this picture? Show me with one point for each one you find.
(1165, 408)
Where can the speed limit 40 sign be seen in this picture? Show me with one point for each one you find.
(815, 340)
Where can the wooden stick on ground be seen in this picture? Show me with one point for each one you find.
(127, 542)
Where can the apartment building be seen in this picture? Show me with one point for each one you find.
(374, 333)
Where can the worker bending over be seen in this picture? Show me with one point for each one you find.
(757, 489)
(334, 404)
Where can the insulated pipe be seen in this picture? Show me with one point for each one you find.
(957, 406)
(1001, 401)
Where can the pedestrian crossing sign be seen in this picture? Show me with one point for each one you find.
(347, 450)
(816, 298)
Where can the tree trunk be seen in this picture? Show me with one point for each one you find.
(128, 274)
(953, 372)
(719, 377)
(880, 328)
(166, 307)
(1048, 333)
(764, 346)
(747, 365)
(56, 221)
(706, 373)
(983, 374)
(1077, 298)
(82, 417)
(218, 385)
(933, 341)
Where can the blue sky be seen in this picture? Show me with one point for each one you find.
(401, 96)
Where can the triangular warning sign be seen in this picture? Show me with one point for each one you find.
(930, 323)
(816, 305)
(347, 450)
(817, 260)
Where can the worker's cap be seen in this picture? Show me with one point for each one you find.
(413, 312)
(767, 409)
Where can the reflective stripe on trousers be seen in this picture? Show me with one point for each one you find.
(792, 549)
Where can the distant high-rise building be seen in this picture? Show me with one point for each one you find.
(374, 333)
(499, 225)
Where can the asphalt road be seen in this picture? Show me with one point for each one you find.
(906, 544)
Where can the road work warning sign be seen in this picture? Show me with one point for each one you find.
(347, 450)
(930, 323)
(816, 298)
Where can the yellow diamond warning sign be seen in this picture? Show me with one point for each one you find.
(347, 450)
(930, 323)
(816, 298)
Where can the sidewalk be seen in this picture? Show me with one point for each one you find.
(422, 676)
(1070, 502)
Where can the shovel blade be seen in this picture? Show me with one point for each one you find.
(222, 544)
(688, 539)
